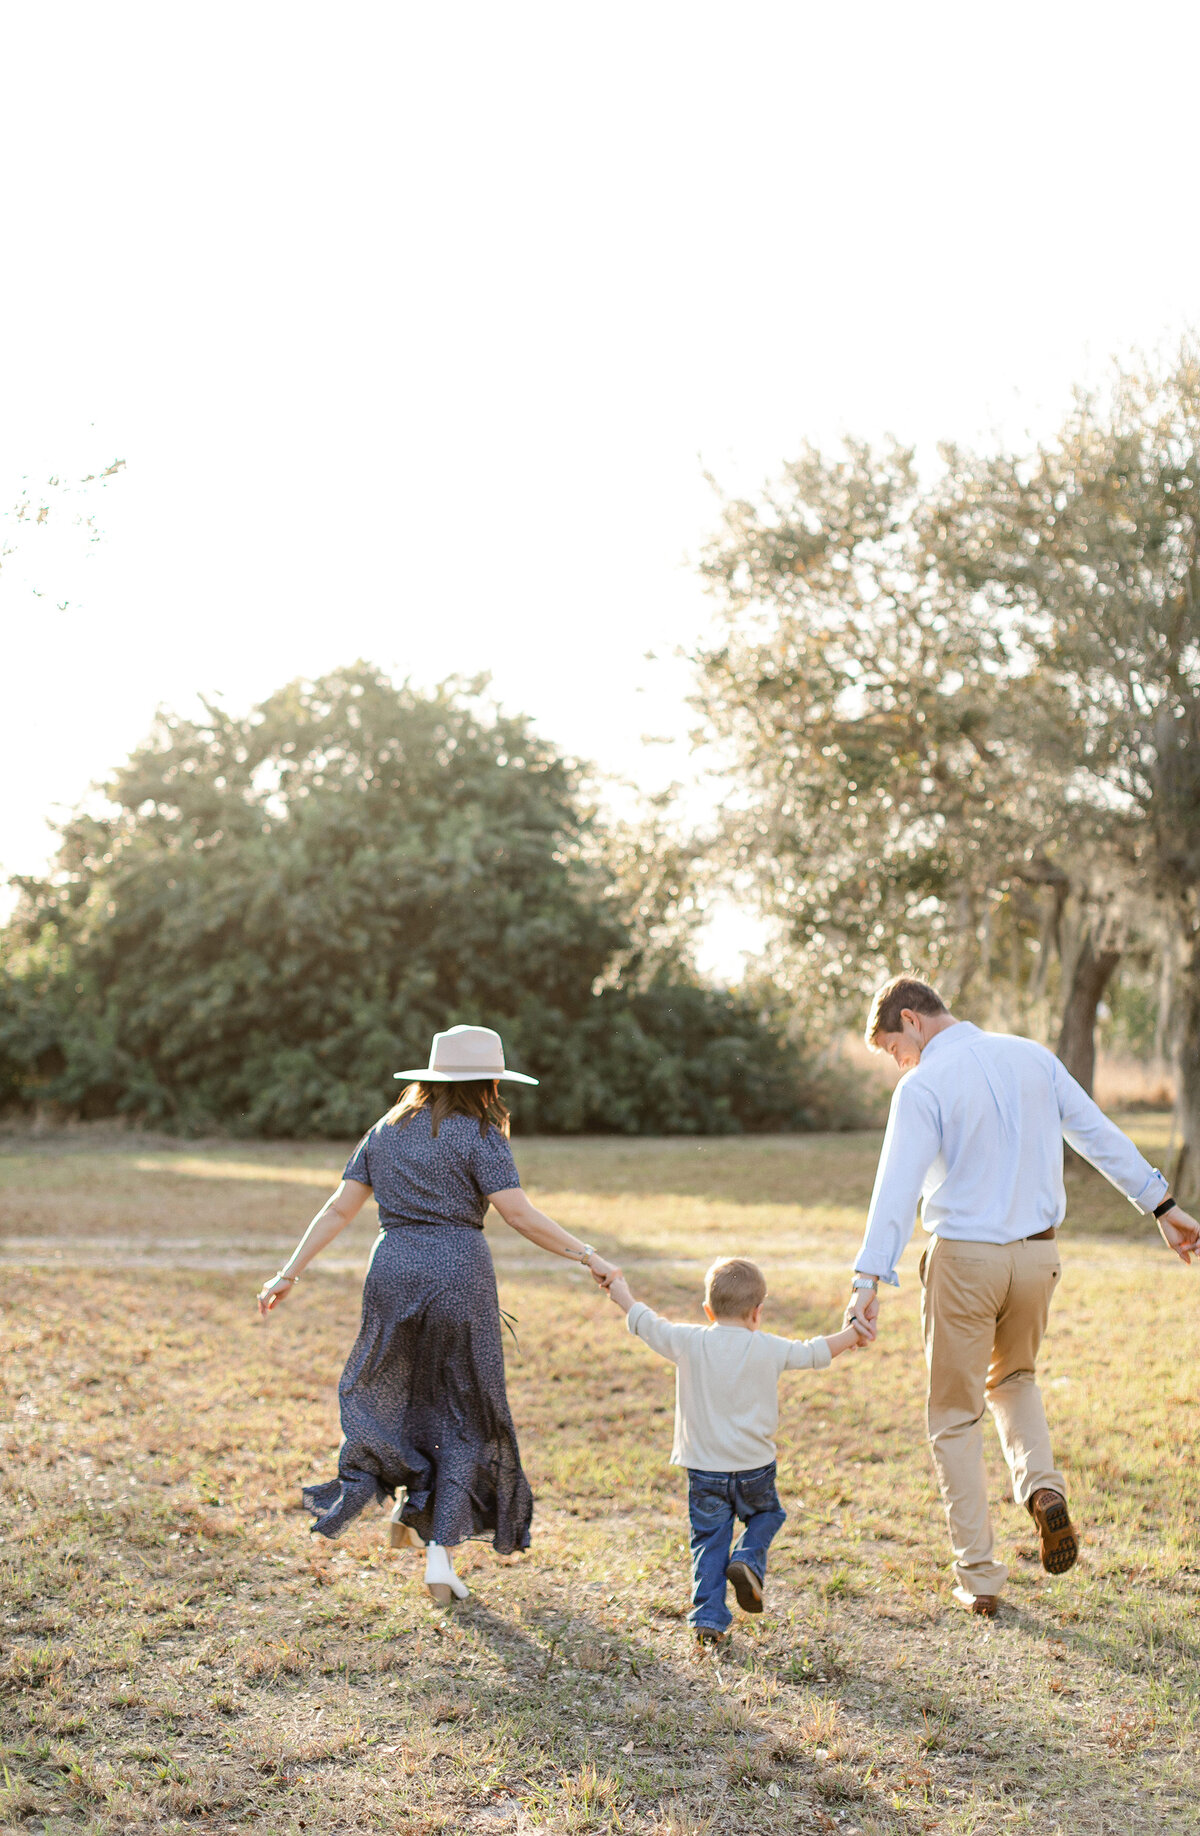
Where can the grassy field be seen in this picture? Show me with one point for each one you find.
(179, 1653)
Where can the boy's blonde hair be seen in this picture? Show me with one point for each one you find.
(734, 1287)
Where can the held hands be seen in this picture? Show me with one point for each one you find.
(1180, 1233)
(862, 1313)
(852, 1337)
(603, 1273)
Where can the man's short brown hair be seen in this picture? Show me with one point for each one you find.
(890, 1001)
(734, 1287)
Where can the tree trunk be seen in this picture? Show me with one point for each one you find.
(1077, 1038)
(1189, 1069)
(959, 977)
(1164, 1021)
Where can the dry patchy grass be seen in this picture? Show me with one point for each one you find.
(178, 1653)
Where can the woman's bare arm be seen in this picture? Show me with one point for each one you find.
(518, 1211)
(334, 1215)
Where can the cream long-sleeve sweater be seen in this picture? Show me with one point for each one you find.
(726, 1387)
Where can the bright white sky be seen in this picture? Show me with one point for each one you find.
(416, 326)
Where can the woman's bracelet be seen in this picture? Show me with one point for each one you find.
(586, 1256)
(280, 1276)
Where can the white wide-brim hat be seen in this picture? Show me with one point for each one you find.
(466, 1054)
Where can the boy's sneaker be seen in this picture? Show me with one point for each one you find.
(746, 1585)
(708, 1635)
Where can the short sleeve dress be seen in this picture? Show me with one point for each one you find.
(423, 1400)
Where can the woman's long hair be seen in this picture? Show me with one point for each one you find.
(479, 1099)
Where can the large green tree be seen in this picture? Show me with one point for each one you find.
(1090, 551)
(280, 908)
(893, 805)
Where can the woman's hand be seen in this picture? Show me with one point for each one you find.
(603, 1273)
(273, 1291)
(334, 1215)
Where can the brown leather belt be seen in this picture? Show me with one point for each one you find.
(1041, 1236)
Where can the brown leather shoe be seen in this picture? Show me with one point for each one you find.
(984, 1605)
(1060, 1545)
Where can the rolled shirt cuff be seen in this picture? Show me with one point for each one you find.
(1152, 1193)
(634, 1315)
(892, 1279)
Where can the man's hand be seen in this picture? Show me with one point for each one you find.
(862, 1310)
(1180, 1233)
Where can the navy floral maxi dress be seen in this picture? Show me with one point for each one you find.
(423, 1402)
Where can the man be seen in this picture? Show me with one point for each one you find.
(975, 1132)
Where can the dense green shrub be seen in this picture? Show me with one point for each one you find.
(284, 907)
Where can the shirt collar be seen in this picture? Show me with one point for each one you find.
(963, 1027)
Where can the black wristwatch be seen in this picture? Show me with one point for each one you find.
(1168, 1204)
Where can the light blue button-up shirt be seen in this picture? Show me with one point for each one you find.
(975, 1134)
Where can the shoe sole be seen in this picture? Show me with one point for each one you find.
(403, 1536)
(746, 1586)
(439, 1592)
(1060, 1545)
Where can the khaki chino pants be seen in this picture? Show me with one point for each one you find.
(984, 1308)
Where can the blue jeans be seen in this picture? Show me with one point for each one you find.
(714, 1500)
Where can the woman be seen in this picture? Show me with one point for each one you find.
(423, 1401)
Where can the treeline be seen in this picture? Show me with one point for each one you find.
(960, 721)
(278, 910)
(963, 716)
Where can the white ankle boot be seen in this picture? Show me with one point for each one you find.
(402, 1536)
(440, 1577)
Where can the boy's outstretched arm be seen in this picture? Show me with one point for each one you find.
(619, 1291)
(659, 1334)
(850, 1339)
(818, 1354)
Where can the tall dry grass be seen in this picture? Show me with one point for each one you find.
(179, 1654)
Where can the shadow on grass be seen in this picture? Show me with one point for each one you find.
(966, 1743)
(1132, 1641)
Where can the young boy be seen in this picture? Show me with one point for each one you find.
(726, 1411)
